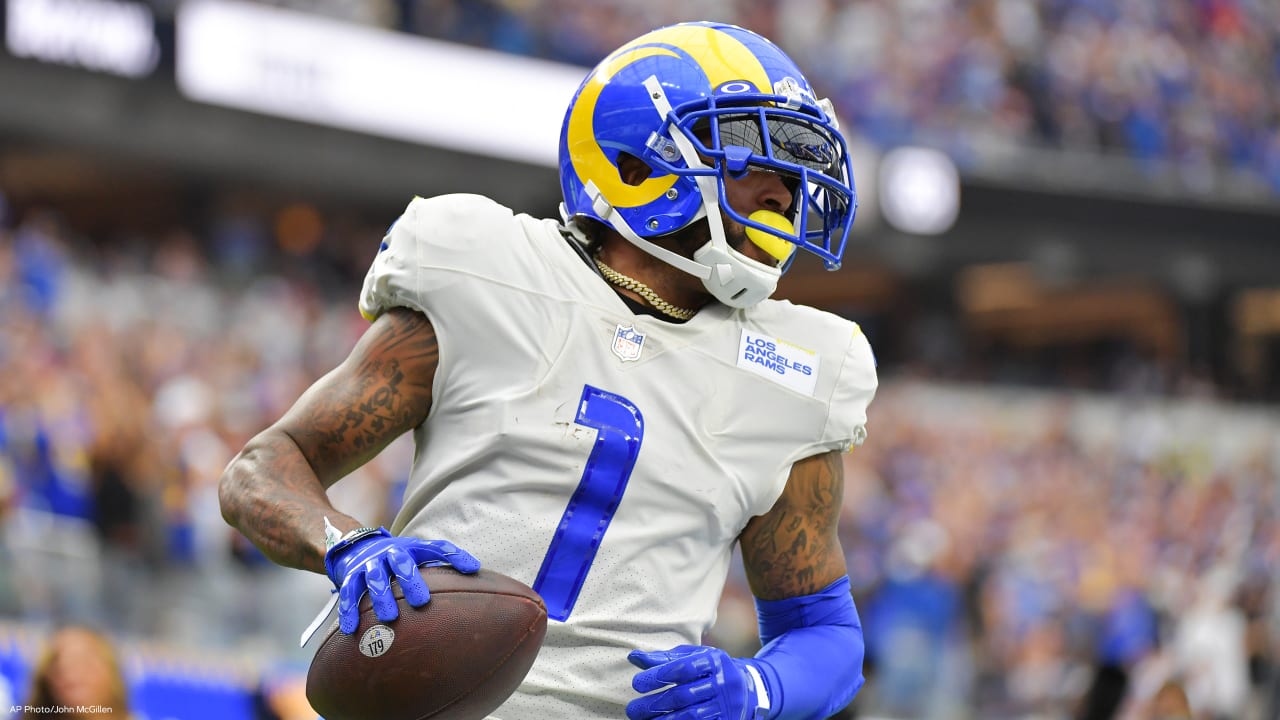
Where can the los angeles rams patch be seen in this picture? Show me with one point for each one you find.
(780, 361)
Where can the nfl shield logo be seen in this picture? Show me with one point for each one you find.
(627, 343)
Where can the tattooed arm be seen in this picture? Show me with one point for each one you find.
(810, 662)
(794, 549)
(274, 490)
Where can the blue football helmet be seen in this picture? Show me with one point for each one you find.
(698, 102)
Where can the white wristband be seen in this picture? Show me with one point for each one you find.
(762, 695)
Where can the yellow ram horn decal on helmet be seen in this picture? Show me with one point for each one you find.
(721, 57)
(589, 161)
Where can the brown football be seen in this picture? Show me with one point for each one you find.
(458, 657)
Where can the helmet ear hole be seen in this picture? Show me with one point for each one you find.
(632, 169)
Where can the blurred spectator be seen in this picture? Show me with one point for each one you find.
(1169, 703)
(911, 625)
(78, 675)
(1128, 636)
(283, 697)
(1209, 647)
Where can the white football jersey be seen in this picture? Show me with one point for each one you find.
(608, 459)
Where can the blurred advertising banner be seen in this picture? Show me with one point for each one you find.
(304, 67)
(107, 36)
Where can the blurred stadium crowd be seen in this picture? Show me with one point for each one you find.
(132, 367)
(1185, 86)
(1037, 553)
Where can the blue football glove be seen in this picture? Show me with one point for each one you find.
(705, 683)
(361, 562)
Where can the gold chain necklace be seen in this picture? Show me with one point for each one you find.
(643, 291)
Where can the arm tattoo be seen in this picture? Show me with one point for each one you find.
(274, 490)
(794, 549)
(270, 494)
(380, 392)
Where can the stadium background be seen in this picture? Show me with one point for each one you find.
(1066, 258)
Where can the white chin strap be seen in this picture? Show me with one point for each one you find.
(731, 277)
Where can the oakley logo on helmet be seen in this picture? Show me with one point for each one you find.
(734, 87)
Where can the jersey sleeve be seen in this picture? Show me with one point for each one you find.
(854, 389)
(392, 280)
(432, 239)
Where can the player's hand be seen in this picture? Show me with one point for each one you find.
(369, 560)
(701, 683)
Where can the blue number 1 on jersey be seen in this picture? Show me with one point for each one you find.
(619, 430)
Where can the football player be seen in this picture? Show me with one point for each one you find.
(605, 403)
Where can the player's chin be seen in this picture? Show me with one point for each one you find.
(736, 235)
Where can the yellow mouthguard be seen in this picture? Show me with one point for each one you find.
(778, 248)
